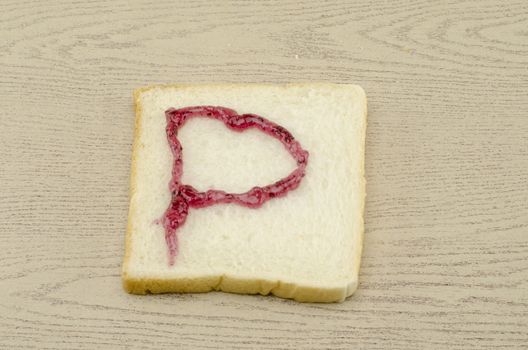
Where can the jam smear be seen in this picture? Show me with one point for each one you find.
(185, 197)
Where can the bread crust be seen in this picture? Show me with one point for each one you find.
(227, 283)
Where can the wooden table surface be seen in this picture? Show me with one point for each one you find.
(445, 261)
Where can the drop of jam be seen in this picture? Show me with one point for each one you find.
(185, 197)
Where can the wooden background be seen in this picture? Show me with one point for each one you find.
(445, 262)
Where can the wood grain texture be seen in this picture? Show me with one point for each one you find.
(445, 262)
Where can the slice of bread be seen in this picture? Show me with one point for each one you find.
(305, 245)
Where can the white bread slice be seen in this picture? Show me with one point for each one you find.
(305, 246)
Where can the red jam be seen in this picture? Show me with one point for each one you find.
(186, 196)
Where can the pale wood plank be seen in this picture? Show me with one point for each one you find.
(446, 247)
